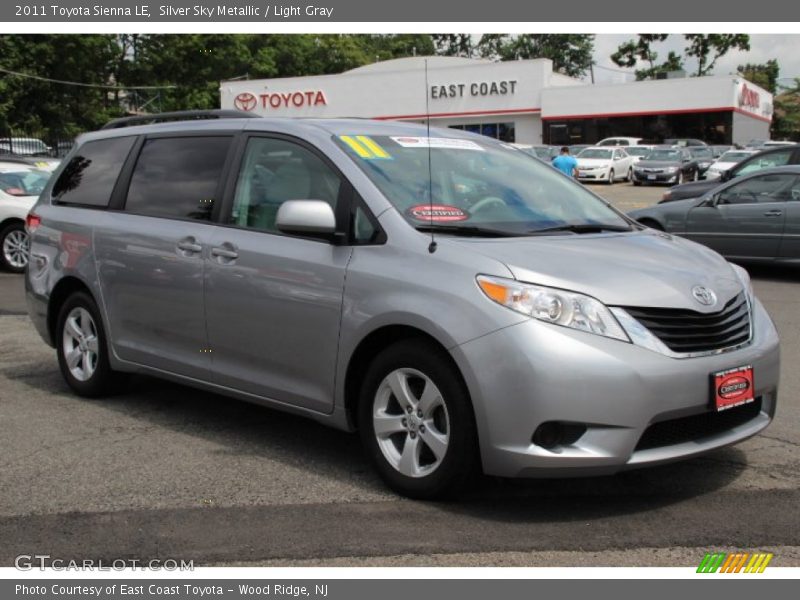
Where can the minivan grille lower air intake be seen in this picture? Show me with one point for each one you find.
(686, 331)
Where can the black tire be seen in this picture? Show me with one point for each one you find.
(460, 460)
(610, 177)
(16, 230)
(630, 174)
(637, 183)
(103, 381)
(680, 178)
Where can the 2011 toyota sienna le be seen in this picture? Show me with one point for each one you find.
(457, 302)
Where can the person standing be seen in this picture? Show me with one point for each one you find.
(566, 163)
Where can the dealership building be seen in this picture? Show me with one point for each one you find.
(521, 101)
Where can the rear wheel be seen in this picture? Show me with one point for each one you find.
(82, 348)
(416, 421)
(14, 248)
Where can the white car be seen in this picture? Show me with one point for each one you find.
(726, 161)
(604, 164)
(638, 152)
(20, 187)
(24, 146)
(620, 141)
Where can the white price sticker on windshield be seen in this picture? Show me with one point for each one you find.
(426, 142)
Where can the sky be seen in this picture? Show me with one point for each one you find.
(784, 47)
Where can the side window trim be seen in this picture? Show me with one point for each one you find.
(345, 203)
(130, 166)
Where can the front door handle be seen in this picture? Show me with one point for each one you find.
(189, 245)
(225, 253)
(773, 213)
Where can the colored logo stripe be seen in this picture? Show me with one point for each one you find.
(356, 147)
(375, 148)
(733, 563)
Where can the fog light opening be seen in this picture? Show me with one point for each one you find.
(553, 434)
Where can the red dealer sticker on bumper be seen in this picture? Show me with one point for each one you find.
(438, 213)
(733, 387)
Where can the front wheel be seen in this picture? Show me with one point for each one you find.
(82, 348)
(416, 421)
(680, 178)
(610, 177)
(14, 248)
(630, 174)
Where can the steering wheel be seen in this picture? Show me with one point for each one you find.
(484, 203)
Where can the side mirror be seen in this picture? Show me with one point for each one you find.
(310, 218)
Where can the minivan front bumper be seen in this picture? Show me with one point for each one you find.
(533, 373)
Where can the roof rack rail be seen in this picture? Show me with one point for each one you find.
(179, 115)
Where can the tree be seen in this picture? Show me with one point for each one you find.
(454, 44)
(786, 117)
(708, 48)
(571, 53)
(764, 75)
(632, 52)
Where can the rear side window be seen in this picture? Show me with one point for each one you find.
(177, 177)
(90, 175)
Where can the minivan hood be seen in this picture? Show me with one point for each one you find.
(643, 268)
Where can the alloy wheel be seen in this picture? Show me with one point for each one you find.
(15, 248)
(411, 423)
(80, 344)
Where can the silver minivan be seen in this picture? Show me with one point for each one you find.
(460, 304)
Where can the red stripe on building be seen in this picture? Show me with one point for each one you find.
(473, 113)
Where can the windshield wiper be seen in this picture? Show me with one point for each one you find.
(469, 231)
(583, 228)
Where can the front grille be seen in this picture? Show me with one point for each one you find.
(646, 170)
(696, 427)
(690, 331)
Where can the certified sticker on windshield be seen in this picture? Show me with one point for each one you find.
(437, 213)
(429, 142)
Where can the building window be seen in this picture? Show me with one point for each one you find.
(498, 131)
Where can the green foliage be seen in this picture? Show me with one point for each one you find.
(571, 53)
(764, 75)
(189, 66)
(707, 48)
(786, 120)
(454, 44)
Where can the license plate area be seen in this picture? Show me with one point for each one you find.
(651, 177)
(732, 387)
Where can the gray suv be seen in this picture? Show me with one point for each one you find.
(458, 304)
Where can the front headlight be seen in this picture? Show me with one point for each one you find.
(551, 305)
(671, 169)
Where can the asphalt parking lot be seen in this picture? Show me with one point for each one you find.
(167, 471)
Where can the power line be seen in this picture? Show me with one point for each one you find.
(89, 85)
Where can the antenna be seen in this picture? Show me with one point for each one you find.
(432, 245)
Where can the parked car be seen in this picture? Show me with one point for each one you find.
(684, 142)
(703, 156)
(576, 149)
(637, 153)
(719, 150)
(726, 161)
(604, 164)
(24, 146)
(20, 186)
(457, 303)
(665, 164)
(753, 217)
(44, 163)
(542, 152)
(776, 157)
(620, 141)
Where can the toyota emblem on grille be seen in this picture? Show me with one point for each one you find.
(704, 296)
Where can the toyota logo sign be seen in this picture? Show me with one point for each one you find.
(245, 101)
(704, 296)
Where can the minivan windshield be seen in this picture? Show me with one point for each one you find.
(476, 187)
